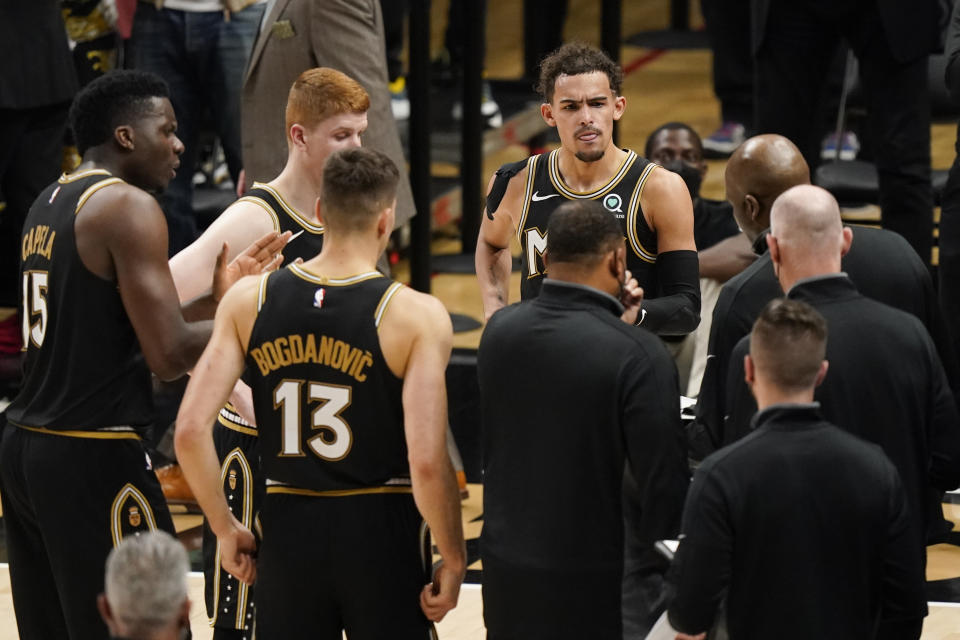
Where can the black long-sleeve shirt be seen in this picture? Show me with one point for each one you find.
(568, 392)
(880, 262)
(805, 528)
(885, 384)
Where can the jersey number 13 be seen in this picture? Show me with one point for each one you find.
(335, 438)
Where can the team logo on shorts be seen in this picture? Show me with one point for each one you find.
(133, 515)
(232, 479)
(613, 202)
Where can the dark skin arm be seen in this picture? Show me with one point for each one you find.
(122, 237)
(727, 258)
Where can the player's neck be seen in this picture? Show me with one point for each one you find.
(768, 395)
(589, 176)
(299, 188)
(345, 256)
(97, 159)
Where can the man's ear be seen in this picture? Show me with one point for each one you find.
(546, 110)
(297, 133)
(752, 206)
(618, 262)
(124, 136)
(847, 241)
(546, 258)
(774, 246)
(824, 366)
(619, 106)
(103, 606)
(749, 371)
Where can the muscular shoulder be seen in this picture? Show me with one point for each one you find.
(119, 209)
(419, 313)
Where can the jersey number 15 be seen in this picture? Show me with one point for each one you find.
(34, 304)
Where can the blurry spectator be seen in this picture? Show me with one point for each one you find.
(37, 83)
(146, 589)
(346, 35)
(200, 47)
(728, 26)
(794, 45)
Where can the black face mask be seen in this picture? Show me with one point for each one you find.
(691, 176)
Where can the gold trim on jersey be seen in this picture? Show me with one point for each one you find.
(227, 421)
(336, 493)
(298, 217)
(73, 177)
(528, 191)
(129, 490)
(333, 282)
(564, 190)
(122, 433)
(263, 204)
(92, 189)
(384, 303)
(633, 217)
(246, 518)
(262, 291)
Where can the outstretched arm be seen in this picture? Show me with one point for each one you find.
(211, 383)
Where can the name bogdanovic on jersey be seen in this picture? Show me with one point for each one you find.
(316, 349)
(328, 407)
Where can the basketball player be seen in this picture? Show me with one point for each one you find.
(326, 110)
(580, 87)
(99, 313)
(347, 371)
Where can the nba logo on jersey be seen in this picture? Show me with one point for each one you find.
(318, 297)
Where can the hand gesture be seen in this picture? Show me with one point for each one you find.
(631, 298)
(261, 256)
(237, 550)
(440, 596)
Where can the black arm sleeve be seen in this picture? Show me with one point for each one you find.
(676, 309)
(500, 182)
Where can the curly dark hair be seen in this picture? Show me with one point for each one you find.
(115, 98)
(575, 58)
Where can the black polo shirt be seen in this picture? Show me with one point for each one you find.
(805, 529)
(568, 393)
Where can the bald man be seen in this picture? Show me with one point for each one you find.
(881, 263)
(886, 383)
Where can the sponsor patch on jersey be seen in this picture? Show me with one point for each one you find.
(613, 202)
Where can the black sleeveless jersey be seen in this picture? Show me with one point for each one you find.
(285, 218)
(546, 190)
(306, 243)
(328, 407)
(84, 370)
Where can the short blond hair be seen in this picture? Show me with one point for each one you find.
(321, 93)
